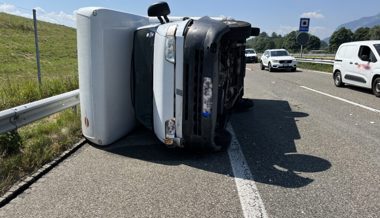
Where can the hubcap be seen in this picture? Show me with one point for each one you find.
(377, 87)
(337, 79)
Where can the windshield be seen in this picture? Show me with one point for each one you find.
(377, 46)
(279, 53)
(250, 51)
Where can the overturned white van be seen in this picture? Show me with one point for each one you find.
(179, 77)
(358, 64)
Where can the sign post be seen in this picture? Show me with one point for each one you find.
(303, 36)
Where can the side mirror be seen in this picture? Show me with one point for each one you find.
(255, 31)
(365, 57)
(159, 10)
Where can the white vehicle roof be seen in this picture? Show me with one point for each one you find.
(367, 42)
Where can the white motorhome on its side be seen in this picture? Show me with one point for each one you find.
(179, 77)
(358, 64)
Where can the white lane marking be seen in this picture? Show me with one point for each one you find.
(248, 69)
(342, 99)
(250, 200)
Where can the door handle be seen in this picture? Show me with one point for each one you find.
(350, 62)
(356, 63)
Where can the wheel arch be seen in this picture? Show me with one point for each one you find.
(374, 77)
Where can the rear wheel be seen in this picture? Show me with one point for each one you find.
(376, 87)
(270, 67)
(338, 79)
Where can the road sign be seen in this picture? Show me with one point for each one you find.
(304, 24)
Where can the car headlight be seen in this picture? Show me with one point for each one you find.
(170, 44)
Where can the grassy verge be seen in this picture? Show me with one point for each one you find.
(318, 67)
(13, 94)
(24, 151)
(18, 71)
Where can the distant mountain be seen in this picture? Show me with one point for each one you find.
(362, 22)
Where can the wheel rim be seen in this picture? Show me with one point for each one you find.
(337, 79)
(377, 87)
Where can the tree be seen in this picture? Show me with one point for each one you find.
(269, 44)
(278, 42)
(324, 45)
(263, 34)
(340, 36)
(274, 35)
(314, 43)
(374, 33)
(290, 43)
(361, 34)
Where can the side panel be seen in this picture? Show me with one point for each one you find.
(105, 42)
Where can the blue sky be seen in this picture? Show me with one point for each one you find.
(271, 16)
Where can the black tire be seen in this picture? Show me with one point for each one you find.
(222, 140)
(294, 69)
(338, 79)
(262, 66)
(270, 69)
(376, 87)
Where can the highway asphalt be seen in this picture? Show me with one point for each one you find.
(312, 149)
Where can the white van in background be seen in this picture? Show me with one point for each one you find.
(358, 64)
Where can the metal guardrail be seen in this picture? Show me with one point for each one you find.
(316, 61)
(16, 117)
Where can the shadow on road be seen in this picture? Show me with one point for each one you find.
(266, 135)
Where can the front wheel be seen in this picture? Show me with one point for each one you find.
(376, 87)
(294, 69)
(338, 79)
(270, 67)
(262, 66)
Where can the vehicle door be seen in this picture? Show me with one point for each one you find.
(363, 66)
(348, 58)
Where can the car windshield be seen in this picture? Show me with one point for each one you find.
(250, 51)
(279, 53)
(377, 46)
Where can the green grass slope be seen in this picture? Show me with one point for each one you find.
(18, 71)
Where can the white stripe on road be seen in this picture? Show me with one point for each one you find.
(248, 69)
(342, 99)
(250, 200)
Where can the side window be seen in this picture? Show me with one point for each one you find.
(365, 54)
(372, 57)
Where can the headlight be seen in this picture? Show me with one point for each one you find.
(170, 49)
(207, 97)
(170, 44)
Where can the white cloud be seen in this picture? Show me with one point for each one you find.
(283, 30)
(313, 14)
(52, 17)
